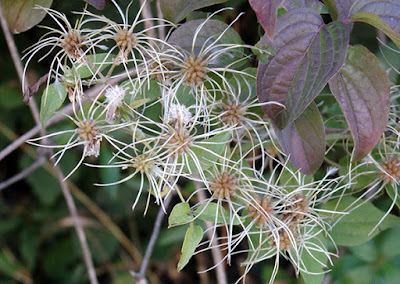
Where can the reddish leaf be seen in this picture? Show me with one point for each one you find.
(304, 140)
(313, 4)
(22, 15)
(384, 15)
(308, 54)
(362, 89)
(266, 13)
(98, 4)
(177, 10)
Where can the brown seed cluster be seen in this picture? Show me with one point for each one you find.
(224, 185)
(72, 44)
(391, 171)
(87, 130)
(297, 210)
(143, 163)
(233, 113)
(194, 70)
(261, 212)
(125, 40)
(179, 140)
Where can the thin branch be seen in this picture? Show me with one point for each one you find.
(67, 195)
(60, 115)
(215, 251)
(78, 226)
(23, 174)
(140, 277)
(147, 14)
(161, 29)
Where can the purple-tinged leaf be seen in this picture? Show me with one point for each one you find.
(21, 15)
(177, 10)
(266, 13)
(339, 9)
(383, 15)
(313, 4)
(362, 89)
(98, 4)
(308, 54)
(304, 140)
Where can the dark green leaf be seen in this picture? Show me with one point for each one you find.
(193, 236)
(93, 64)
(52, 99)
(180, 214)
(314, 261)
(206, 36)
(177, 10)
(356, 227)
(383, 15)
(22, 15)
(390, 190)
(207, 152)
(28, 246)
(304, 140)
(111, 174)
(362, 89)
(367, 251)
(308, 54)
(215, 213)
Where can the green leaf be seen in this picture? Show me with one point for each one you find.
(339, 9)
(314, 261)
(355, 228)
(308, 54)
(390, 244)
(109, 174)
(207, 152)
(22, 15)
(383, 15)
(213, 33)
(390, 190)
(194, 235)
(362, 88)
(93, 64)
(215, 213)
(180, 214)
(177, 10)
(28, 246)
(304, 140)
(367, 251)
(52, 99)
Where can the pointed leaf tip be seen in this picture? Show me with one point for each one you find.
(362, 88)
(304, 140)
(308, 54)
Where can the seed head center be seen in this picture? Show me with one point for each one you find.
(261, 213)
(72, 44)
(87, 130)
(224, 185)
(194, 70)
(233, 113)
(391, 171)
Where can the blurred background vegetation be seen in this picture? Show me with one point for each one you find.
(38, 243)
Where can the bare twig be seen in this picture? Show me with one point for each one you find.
(89, 94)
(67, 195)
(78, 226)
(33, 89)
(215, 251)
(23, 174)
(147, 14)
(141, 276)
(161, 29)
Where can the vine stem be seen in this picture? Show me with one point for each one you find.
(141, 276)
(215, 251)
(64, 187)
